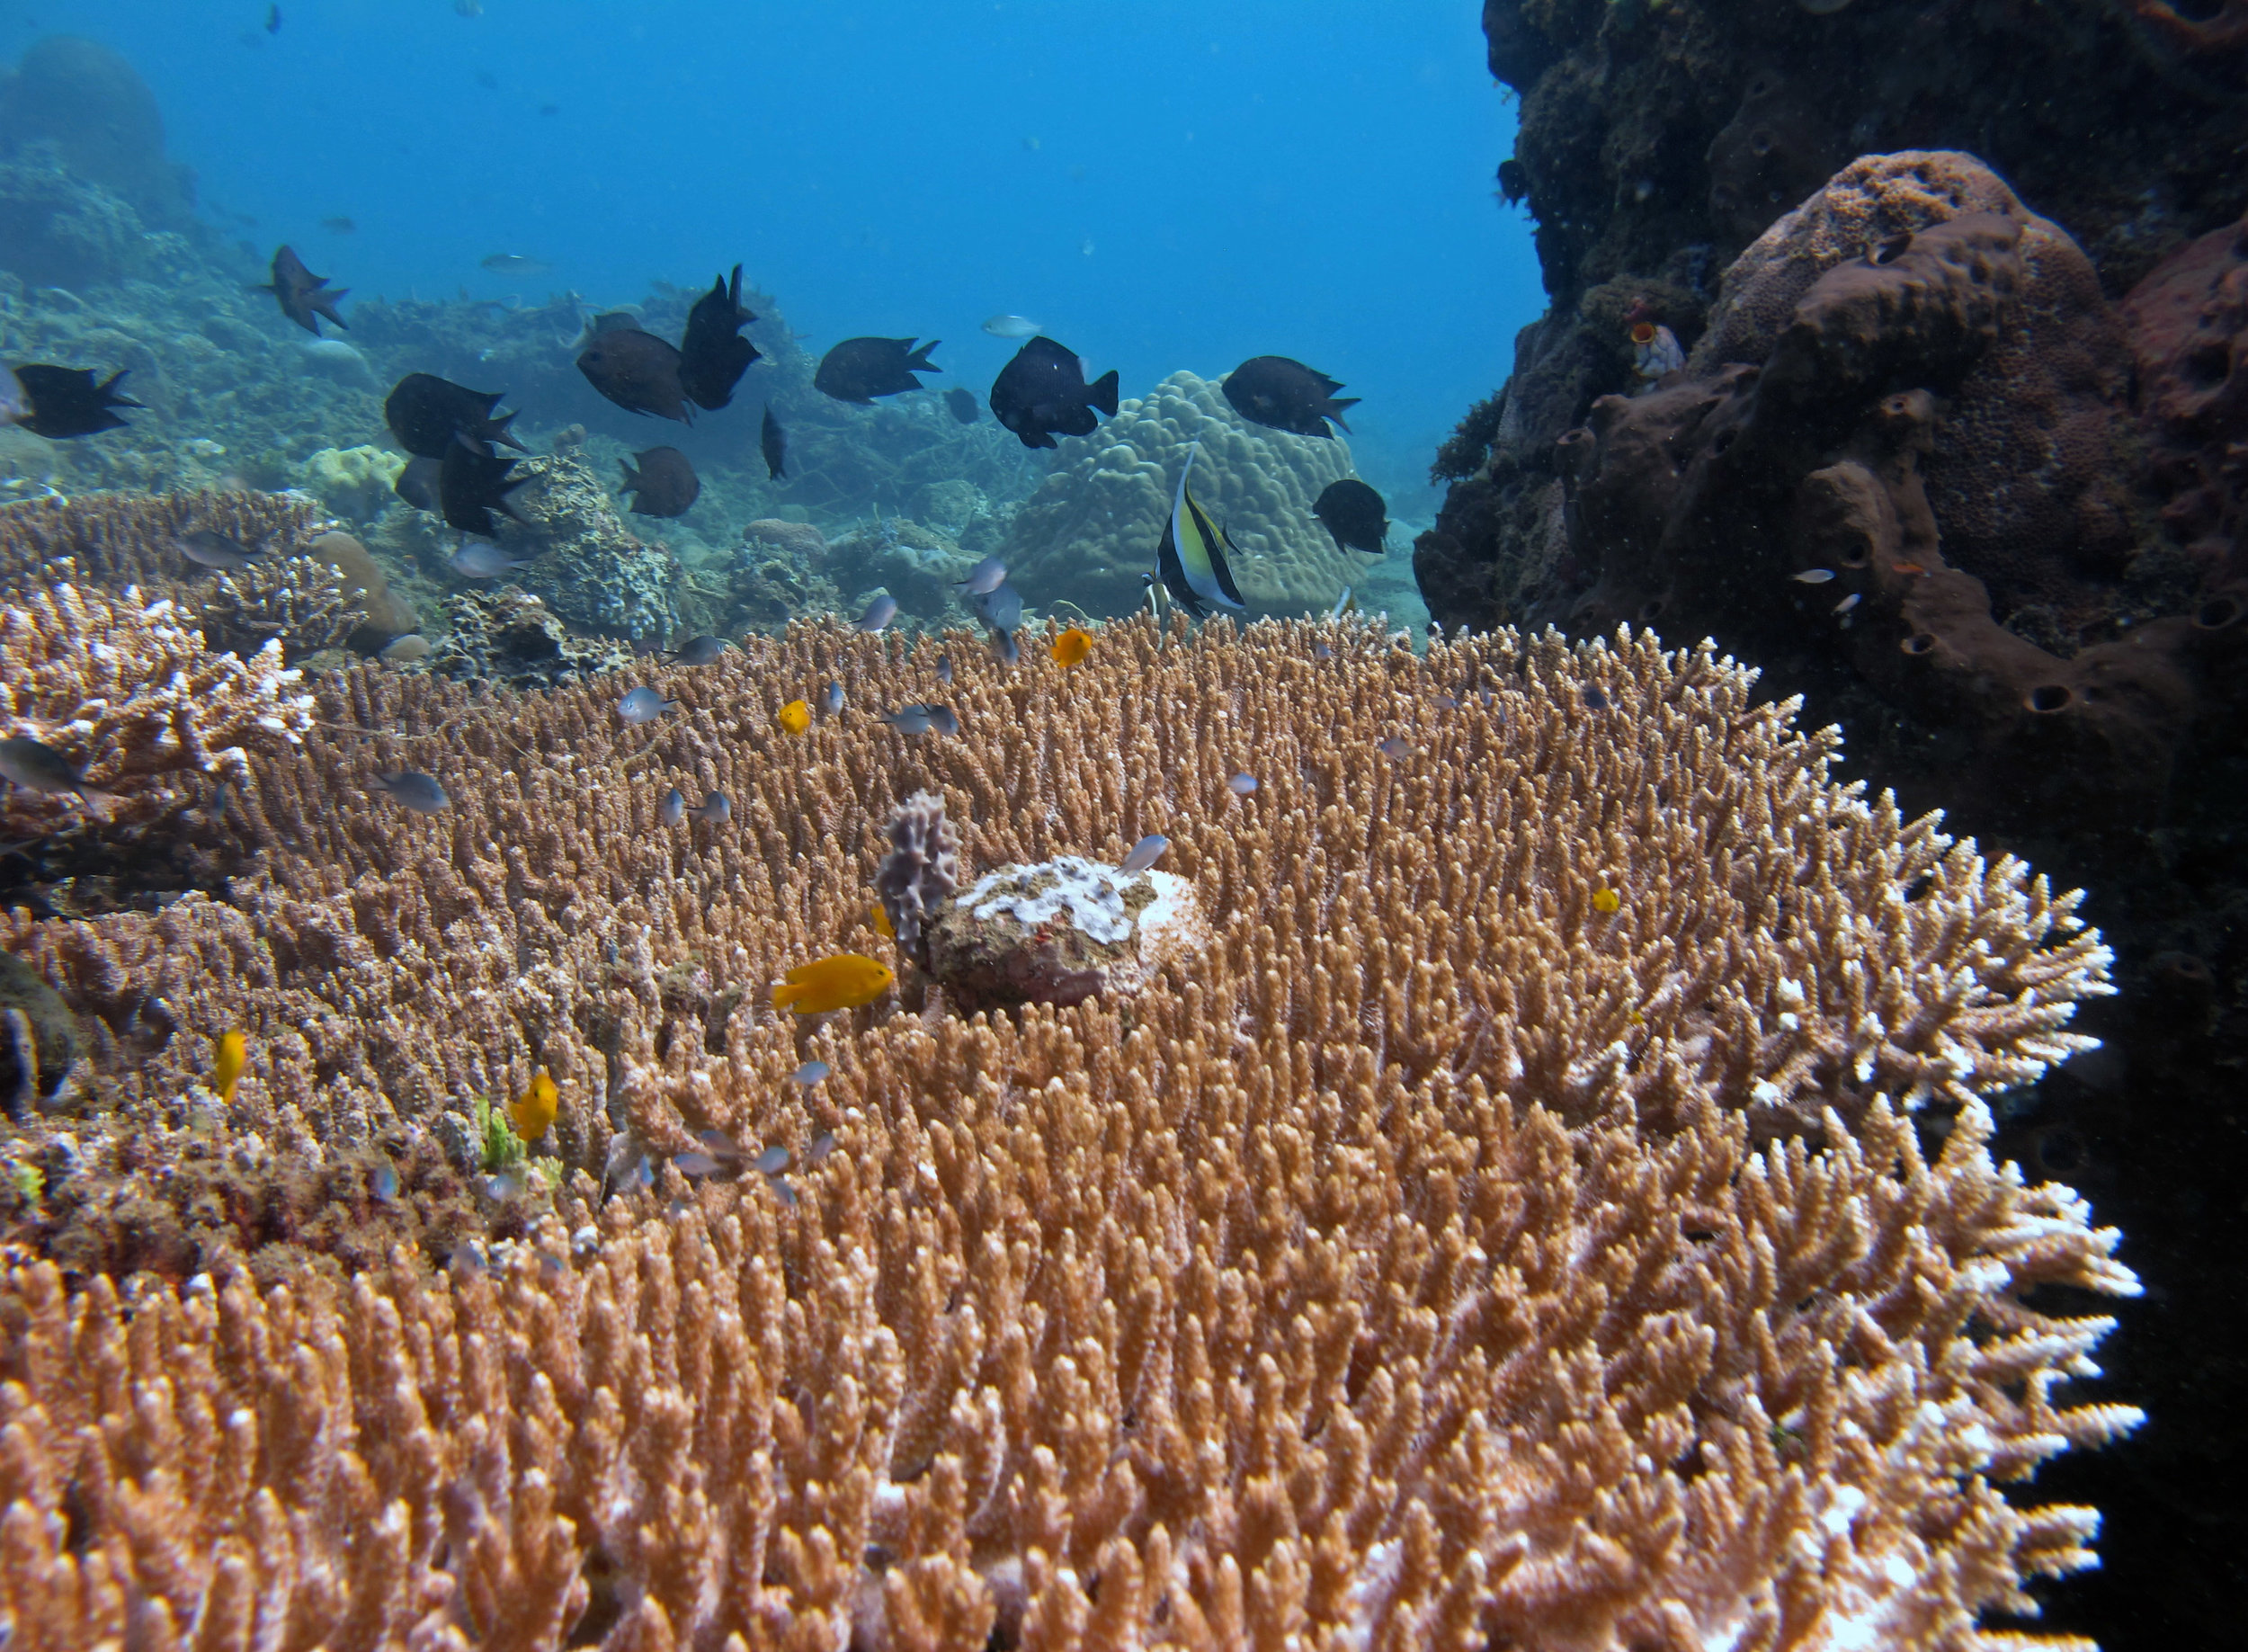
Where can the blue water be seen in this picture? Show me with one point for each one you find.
(1162, 184)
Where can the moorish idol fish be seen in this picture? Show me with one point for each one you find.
(1190, 560)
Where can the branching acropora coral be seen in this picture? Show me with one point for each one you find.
(1434, 1259)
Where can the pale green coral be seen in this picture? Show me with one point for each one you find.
(352, 482)
(1090, 531)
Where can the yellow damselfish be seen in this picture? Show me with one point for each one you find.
(1071, 647)
(796, 717)
(882, 925)
(226, 1071)
(532, 1113)
(842, 982)
(1607, 902)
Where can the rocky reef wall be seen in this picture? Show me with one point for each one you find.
(1951, 443)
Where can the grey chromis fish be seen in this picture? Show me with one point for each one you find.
(772, 1161)
(515, 263)
(643, 705)
(910, 720)
(1006, 647)
(412, 789)
(1814, 576)
(1145, 854)
(384, 1184)
(822, 1146)
(832, 701)
(39, 767)
(483, 562)
(944, 669)
(811, 1073)
(984, 578)
(942, 720)
(1001, 606)
(1241, 785)
(207, 549)
(1011, 327)
(673, 808)
(694, 1164)
(700, 651)
(1394, 749)
(879, 613)
(714, 809)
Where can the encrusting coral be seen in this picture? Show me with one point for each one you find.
(1089, 531)
(297, 603)
(1402, 1266)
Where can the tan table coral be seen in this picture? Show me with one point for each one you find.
(1090, 531)
(1398, 1271)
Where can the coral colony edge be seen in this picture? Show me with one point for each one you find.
(663, 990)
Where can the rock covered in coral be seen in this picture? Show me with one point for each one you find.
(914, 564)
(592, 569)
(1090, 531)
(354, 483)
(117, 539)
(89, 106)
(297, 603)
(920, 872)
(510, 636)
(1061, 932)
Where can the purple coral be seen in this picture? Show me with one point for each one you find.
(920, 872)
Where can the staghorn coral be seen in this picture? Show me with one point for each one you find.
(299, 602)
(1399, 1265)
(129, 694)
(1090, 531)
(510, 636)
(119, 540)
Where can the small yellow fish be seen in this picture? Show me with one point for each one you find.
(1071, 647)
(532, 1113)
(842, 982)
(796, 717)
(226, 1071)
(882, 925)
(1607, 902)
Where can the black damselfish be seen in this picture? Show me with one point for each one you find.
(772, 442)
(638, 372)
(59, 402)
(429, 416)
(1275, 391)
(859, 370)
(471, 486)
(1354, 514)
(1042, 393)
(712, 357)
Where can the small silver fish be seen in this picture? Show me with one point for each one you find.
(700, 651)
(465, 1258)
(1847, 603)
(673, 808)
(830, 702)
(910, 720)
(1011, 327)
(515, 263)
(811, 1073)
(1145, 854)
(1814, 576)
(412, 789)
(694, 1164)
(984, 578)
(39, 767)
(1241, 785)
(483, 562)
(943, 719)
(643, 705)
(1320, 651)
(1393, 748)
(205, 549)
(879, 613)
(781, 1189)
(772, 1161)
(407, 649)
(1001, 607)
(822, 1146)
(384, 1184)
(714, 809)
(944, 669)
(1445, 702)
(1006, 647)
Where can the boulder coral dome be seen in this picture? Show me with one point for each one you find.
(1553, 1211)
(1089, 532)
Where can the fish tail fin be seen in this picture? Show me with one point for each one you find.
(1103, 392)
(1334, 408)
(498, 430)
(919, 361)
(97, 803)
(632, 477)
(109, 389)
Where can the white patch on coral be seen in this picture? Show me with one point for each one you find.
(1091, 896)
